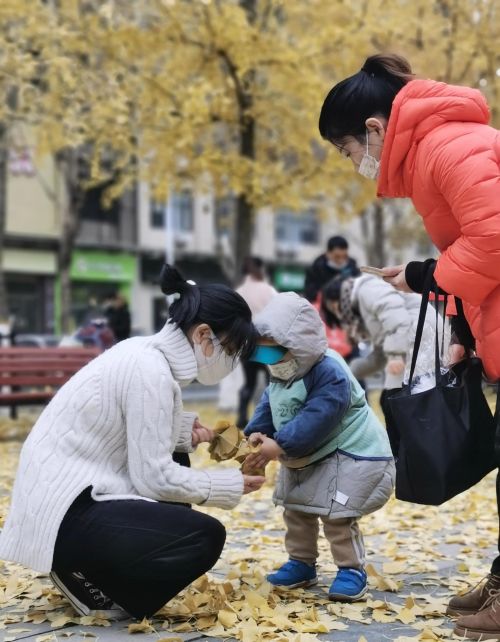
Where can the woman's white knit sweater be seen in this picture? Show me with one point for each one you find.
(113, 426)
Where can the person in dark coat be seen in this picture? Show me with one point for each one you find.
(118, 316)
(334, 262)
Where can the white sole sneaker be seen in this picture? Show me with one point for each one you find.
(303, 584)
(340, 597)
(81, 608)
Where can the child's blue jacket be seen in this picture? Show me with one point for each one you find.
(323, 412)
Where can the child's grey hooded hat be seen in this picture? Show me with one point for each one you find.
(296, 325)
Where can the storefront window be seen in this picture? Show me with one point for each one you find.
(87, 300)
(26, 301)
(94, 276)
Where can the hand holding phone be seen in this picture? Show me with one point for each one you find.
(367, 269)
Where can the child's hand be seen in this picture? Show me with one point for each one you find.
(269, 450)
(256, 438)
(201, 434)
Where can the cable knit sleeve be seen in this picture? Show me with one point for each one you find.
(149, 415)
(185, 442)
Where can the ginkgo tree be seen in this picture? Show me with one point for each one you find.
(223, 93)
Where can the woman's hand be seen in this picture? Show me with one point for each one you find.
(201, 434)
(456, 353)
(251, 483)
(396, 277)
(395, 366)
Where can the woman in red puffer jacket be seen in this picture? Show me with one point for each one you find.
(431, 142)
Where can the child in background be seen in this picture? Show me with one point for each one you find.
(372, 310)
(336, 459)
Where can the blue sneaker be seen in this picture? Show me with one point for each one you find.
(349, 585)
(294, 574)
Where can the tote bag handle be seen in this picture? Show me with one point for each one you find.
(429, 286)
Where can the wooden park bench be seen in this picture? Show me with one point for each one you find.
(31, 376)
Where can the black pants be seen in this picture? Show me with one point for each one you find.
(251, 370)
(495, 567)
(356, 352)
(140, 554)
(392, 430)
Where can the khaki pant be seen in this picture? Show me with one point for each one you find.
(343, 535)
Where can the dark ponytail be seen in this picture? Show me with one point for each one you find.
(182, 311)
(370, 92)
(220, 307)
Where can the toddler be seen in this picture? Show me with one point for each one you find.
(336, 459)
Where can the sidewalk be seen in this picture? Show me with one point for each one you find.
(421, 554)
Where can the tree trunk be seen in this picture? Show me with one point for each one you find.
(379, 236)
(373, 231)
(69, 230)
(365, 234)
(244, 210)
(4, 308)
(243, 232)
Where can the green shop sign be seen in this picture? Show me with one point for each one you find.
(289, 279)
(103, 266)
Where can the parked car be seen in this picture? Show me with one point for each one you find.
(36, 340)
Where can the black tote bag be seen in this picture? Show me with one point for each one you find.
(447, 433)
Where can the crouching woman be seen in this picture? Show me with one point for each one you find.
(99, 500)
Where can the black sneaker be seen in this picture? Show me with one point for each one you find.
(84, 597)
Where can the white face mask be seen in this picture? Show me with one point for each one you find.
(284, 371)
(338, 266)
(213, 369)
(369, 166)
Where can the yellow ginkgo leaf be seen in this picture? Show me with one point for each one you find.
(140, 627)
(227, 618)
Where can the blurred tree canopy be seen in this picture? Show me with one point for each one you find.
(226, 92)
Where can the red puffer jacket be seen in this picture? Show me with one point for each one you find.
(439, 151)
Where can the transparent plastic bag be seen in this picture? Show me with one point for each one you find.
(424, 377)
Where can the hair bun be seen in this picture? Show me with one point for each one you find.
(171, 280)
(371, 67)
(387, 65)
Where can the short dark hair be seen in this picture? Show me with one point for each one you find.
(337, 242)
(369, 92)
(217, 305)
(253, 265)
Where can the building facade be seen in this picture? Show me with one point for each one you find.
(104, 258)
(122, 247)
(31, 240)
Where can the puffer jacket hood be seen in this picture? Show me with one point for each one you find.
(295, 324)
(420, 107)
